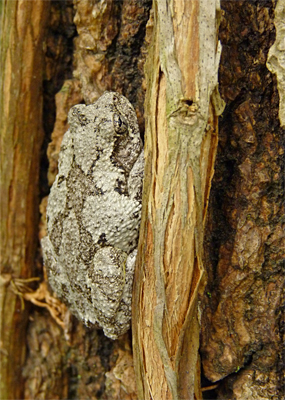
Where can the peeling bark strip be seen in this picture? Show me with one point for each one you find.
(275, 62)
(23, 26)
(181, 110)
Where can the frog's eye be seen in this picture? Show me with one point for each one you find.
(120, 124)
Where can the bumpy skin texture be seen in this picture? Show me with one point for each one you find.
(94, 212)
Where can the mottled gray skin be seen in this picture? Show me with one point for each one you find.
(94, 212)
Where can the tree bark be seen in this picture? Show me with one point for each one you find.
(108, 54)
(242, 329)
(181, 110)
(239, 251)
(23, 27)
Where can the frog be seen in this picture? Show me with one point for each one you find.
(94, 213)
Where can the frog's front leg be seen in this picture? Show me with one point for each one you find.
(135, 180)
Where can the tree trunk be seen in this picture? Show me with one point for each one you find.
(23, 27)
(235, 249)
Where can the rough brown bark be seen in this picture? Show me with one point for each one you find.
(242, 321)
(23, 27)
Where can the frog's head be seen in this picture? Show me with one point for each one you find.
(108, 128)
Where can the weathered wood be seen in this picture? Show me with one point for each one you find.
(23, 26)
(180, 144)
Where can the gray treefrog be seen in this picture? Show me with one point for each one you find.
(94, 212)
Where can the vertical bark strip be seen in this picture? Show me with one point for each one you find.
(23, 25)
(181, 109)
(275, 62)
